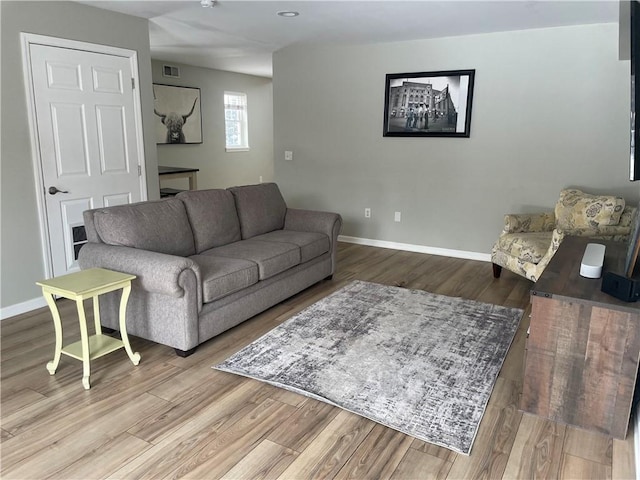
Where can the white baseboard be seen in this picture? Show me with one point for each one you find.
(408, 247)
(24, 307)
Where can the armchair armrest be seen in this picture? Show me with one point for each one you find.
(628, 214)
(529, 222)
(156, 272)
(604, 232)
(556, 239)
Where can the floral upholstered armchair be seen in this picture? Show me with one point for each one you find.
(529, 241)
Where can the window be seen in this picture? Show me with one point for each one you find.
(235, 121)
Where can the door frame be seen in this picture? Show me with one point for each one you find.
(26, 40)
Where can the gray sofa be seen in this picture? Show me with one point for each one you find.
(207, 260)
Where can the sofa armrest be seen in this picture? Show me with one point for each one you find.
(313, 221)
(156, 272)
(529, 222)
(319, 222)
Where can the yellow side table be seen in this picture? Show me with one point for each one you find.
(79, 286)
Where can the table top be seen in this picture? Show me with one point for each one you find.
(169, 170)
(85, 282)
(562, 279)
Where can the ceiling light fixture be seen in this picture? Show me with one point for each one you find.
(288, 13)
(207, 3)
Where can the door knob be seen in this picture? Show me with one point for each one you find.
(54, 190)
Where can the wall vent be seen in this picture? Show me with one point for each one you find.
(169, 71)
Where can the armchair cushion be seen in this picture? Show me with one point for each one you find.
(529, 247)
(576, 209)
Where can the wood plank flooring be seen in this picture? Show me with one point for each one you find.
(173, 417)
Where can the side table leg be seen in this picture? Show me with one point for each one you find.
(96, 315)
(84, 338)
(126, 291)
(57, 324)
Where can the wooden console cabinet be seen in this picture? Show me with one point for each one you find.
(583, 349)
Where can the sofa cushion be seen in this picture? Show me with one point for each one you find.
(272, 257)
(213, 217)
(311, 244)
(529, 247)
(160, 226)
(223, 276)
(576, 209)
(261, 208)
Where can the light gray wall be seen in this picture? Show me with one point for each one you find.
(220, 169)
(20, 246)
(550, 110)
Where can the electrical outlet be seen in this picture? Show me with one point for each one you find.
(397, 217)
(288, 155)
(367, 213)
(260, 178)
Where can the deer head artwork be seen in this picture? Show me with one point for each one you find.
(174, 123)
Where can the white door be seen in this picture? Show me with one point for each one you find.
(88, 141)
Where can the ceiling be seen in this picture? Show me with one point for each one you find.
(240, 35)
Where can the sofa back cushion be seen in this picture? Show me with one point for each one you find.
(261, 208)
(576, 209)
(160, 226)
(213, 217)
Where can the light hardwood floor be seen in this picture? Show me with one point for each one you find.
(174, 417)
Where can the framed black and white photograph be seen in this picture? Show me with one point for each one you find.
(178, 117)
(428, 104)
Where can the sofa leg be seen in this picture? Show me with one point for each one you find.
(330, 277)
(497, 270)
(185, 353)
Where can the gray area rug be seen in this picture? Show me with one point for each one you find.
(417, 362)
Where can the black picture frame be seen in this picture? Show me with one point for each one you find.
(428, 104)
(178, 119)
